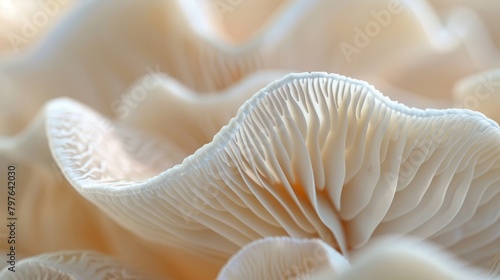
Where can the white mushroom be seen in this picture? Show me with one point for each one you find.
(151, 177)
(69, 266)
(384, 259)
(406, 258)
(285, 258)
(45, 191)
(126, 39)
(311, 155)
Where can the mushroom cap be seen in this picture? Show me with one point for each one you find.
(122, 43)
(312, 155)
(409, 258)
(385, 258)
(83, 226)
(284, 258)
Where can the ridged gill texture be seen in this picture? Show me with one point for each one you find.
(311, 155)
(133, 146)
(71, 265)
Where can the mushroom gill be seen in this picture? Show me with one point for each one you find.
(152, 178)
(83, 226)
(312, 155)
(72, 265)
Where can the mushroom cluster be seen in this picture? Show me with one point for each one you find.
(148, 136)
